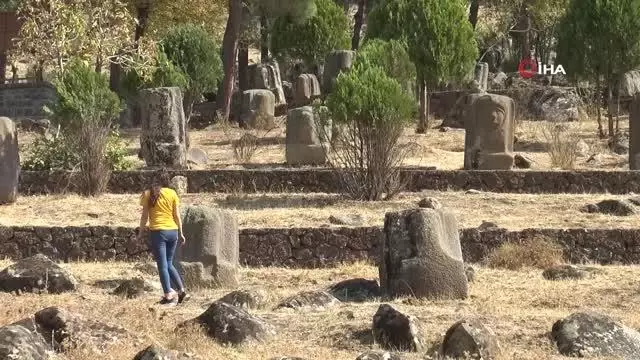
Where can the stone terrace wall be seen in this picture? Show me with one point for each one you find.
(25, 100)
(325, 180)
(312, 247)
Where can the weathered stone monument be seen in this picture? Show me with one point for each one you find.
(307, 89)
(210, 256)
(258, 109)
(163, 136)
(482, 75)
(9, 161)
(489, 124)
(336, 62)
(634, 134)
(267, 76)
(307, 139)
(421, 255)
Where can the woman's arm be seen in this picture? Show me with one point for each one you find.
(178, 219)
(143, 219)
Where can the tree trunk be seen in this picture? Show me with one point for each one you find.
(230, 50)
(618, 109)
(598, 103)
(141, 24)
(264, 39)
(473, 13)
(423, 123)
(358, 22)
(610, 103)
(243, 67)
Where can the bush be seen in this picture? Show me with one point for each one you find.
(85, 110)
(562, 145)
(191, 49)
(539, 253)
(51, 153)
(371, 111)
(392, 57)
(312, 40)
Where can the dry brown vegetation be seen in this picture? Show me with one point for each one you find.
(444, 150)
(519, 306)
(512, 211)
(539, 253)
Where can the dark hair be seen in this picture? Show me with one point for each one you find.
(160, 179)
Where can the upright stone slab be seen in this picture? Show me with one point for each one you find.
(489, 123)
(267, 76)
(212, 240)
(9, 161)
(421, 255)
(482, 75)
(336, 62)
(634, 134)
(307, 89)
(163, 136)
(306, 141)
(258, 109)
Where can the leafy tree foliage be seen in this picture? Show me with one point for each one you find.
(600, 39)
(54, 31)
(193, 51)
(439, 39)
(313, 39)
(392, 57)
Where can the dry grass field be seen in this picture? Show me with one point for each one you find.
(520, 306)
(512, 211)
(444, 150)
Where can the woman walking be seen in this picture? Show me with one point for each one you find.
(161, 208)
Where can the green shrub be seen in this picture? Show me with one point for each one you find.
(85, 110)
(313, 39)
(392, 57)
(50, 153)
(370, 111)
(192, 50)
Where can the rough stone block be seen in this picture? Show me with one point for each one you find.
(9, 161)
(258, 109)
(336, 62)
(307, 89)
(306, 140)
(421, 255)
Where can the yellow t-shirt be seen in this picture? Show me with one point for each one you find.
(161, 215)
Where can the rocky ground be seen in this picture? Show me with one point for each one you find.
(512, 211)
(520, 307)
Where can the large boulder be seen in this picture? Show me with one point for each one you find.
(555, 104)
(22, 341)
(394, 330)
(630, 83)
(163, 137)
(470, 337)
(588, 334)
(267, 76)
(335, 63)
(228, 324)
(307, 137)
(378, 355)
(258, 109)
(421, 255)
(210, 257)
(154, 352)
(36, 274)
(55, 329)
(9, 161)
(490, 126)
(306, 89)
(356, 290)
(309, 299)
(248, 299)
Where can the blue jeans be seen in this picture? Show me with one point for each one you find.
(163, 246)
